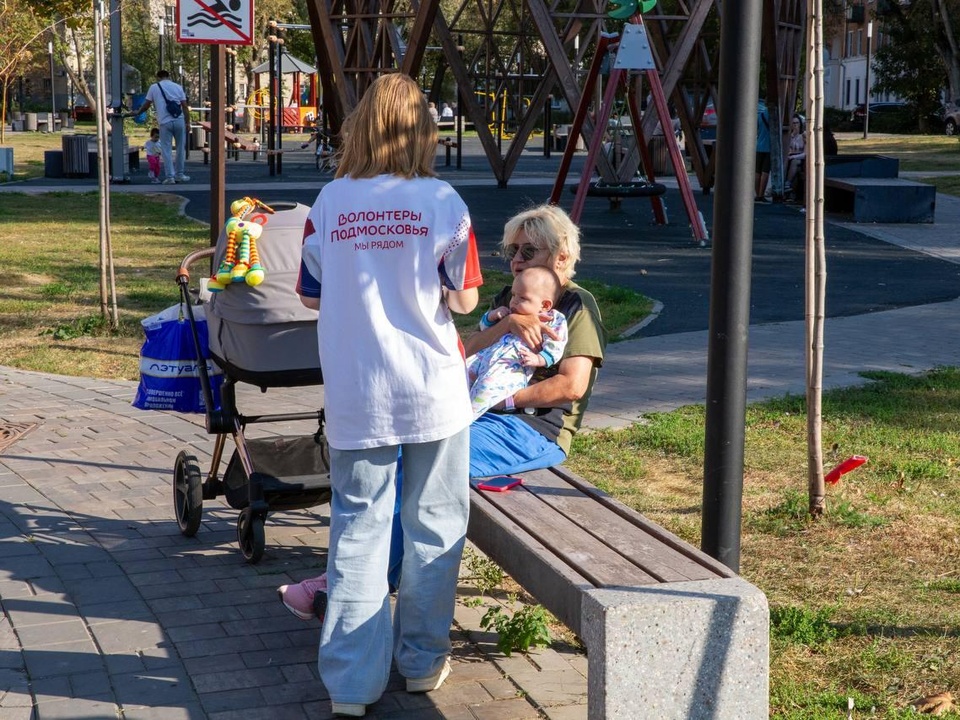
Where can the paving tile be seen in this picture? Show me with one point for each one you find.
(14, 687)
(170, 687)
(107, 612)
(567, 712)
(274, 712)
(100, 590)
(57, 633)
(64, 659)
(237, 679)
(190, 711)
(39, 610)
(128, 635)
(102, 708)
(513, 709)
(232, 700)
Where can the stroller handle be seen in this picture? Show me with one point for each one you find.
(183, 274)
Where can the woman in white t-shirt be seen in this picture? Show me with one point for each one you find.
(392, 248)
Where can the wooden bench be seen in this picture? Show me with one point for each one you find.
(669, 632)
(234, 144)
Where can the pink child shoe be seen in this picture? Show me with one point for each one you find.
(302, 599)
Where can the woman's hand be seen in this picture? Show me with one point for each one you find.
(530, 329)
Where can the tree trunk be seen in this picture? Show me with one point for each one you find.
(950, 52)
(816, 272)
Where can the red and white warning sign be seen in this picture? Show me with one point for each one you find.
(227, 22)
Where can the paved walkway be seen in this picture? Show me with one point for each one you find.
(109, 612)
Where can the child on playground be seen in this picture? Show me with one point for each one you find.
(152, 148)
(497, 372)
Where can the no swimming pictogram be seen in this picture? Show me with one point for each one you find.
(215, 21)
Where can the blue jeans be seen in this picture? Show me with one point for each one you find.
(175, 130)
(499, 445)
(355, 643)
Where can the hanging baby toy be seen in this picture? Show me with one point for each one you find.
(241, 262)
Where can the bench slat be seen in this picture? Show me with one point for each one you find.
(574, 545)
(656, 532)
(621, 535)
(541, 573)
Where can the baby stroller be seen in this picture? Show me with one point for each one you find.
(324, 154)
(263, 336)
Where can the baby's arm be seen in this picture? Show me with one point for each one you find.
(528, 358)
(492, 317)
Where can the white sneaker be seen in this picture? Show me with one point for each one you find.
(169, 181)
(155, 181)
(428, 684)
(349, 709)
(183, 178)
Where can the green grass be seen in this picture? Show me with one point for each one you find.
(863, 601)
(621, 308)
(50, 316)
(915, 152)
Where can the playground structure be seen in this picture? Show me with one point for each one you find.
(531, 53)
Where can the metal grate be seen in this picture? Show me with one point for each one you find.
(11, 432)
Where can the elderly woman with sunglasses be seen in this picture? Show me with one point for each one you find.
(534, 428)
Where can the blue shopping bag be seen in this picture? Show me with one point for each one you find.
(169, 371)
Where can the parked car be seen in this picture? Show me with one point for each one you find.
(709, 119)
(877, 109)
(951, 119)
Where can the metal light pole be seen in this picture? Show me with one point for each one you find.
(52, 125)
(866, 104)
(163, 24)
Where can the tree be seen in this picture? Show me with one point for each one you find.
(19, 30)
(922, 55)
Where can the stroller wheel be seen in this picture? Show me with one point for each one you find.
(251, 536)
(187, 493)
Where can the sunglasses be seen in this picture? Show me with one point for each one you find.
(526, 252)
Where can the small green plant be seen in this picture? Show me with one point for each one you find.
(802, 626)
(484, 572)
(90, 325)
(527, 627)
(950, 585)
(789, 516)
(846, 515)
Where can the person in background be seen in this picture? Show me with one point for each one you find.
(168, 97)
(388, 254)
(796, 152)
(154, 151)
(763, 151)
(446, 112)
(434, 115)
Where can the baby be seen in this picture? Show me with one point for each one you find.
(152, 148)
(498, 371)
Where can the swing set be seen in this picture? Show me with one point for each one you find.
(618, 180)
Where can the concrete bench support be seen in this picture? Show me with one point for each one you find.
(881, 200)
(670, 632)
(689, 650)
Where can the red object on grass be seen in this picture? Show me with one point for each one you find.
(851, 463)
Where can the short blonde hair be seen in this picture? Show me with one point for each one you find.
(550, 227)
(390, 132)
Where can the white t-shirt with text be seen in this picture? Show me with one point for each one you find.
(392, 362)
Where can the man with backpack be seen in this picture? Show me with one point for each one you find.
(173, 112)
